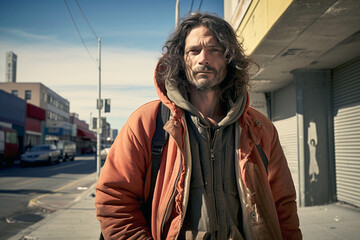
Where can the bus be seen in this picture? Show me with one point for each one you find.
(9, 146)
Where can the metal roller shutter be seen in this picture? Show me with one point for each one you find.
(346, 112)
(285, 121)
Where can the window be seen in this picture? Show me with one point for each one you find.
(15, 92)
(27, 94)
(11, 137)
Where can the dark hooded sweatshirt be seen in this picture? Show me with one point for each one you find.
(214, 210)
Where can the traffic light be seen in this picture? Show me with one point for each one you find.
(107, 105)
(94, 125)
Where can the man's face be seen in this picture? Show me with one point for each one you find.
(204, 59)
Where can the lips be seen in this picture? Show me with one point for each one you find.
(204, 72)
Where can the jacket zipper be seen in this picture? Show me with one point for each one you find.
(171, 198)
(212, 158)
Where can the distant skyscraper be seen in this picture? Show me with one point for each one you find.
(10, 73)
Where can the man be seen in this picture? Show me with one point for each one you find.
(212, 183)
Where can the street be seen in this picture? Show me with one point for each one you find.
(27, 195)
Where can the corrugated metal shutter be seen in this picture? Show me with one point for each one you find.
(346, 112)
(285, 120)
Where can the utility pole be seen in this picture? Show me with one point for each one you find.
(99, 107)
(177, 13)
(90, 122)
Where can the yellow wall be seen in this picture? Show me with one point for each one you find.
(260, 17)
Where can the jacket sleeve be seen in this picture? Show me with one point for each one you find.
(120, 190)
(283, 190)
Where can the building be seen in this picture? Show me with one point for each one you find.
(105, 136)
(105, 131)
(85, 138)
(34, 125)
(309, 67)
(113, 134)
(57, 126)
(11, 62)
(13, 116)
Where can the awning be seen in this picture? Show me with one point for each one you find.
(85, 134)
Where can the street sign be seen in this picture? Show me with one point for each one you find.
(107, 105)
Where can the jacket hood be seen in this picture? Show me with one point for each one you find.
(166, 91)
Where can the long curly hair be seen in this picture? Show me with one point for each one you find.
(172, 64)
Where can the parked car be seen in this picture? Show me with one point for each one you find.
(67, 150)
(41, 153)
(88, 150)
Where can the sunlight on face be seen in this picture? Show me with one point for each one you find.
(204, 58)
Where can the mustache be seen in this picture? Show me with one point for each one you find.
(203, 68)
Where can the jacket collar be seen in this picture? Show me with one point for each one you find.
(249, 122)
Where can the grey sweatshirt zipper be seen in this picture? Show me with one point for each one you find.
(215, 220)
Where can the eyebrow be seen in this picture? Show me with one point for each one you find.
(212, 45)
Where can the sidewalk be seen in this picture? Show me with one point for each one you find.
(333, 221)
(330, 222)
(75, 222)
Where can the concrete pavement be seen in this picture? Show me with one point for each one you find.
(75, 221)
(330, 222)
(333, 221)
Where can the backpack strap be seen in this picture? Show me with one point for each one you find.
(157, 144)
(263, 157)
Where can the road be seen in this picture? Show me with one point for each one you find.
(27, 195)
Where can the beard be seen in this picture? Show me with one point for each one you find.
(205, 84)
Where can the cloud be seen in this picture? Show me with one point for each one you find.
(21, 34)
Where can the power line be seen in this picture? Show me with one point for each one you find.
(192, 4)
(200, 5)
(77, 29)
(86, 19)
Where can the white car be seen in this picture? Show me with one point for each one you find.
(41, 153)
(103, 153)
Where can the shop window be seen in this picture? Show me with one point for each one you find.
(11, 137)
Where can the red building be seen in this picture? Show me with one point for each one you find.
(34, 124)
(85, 139)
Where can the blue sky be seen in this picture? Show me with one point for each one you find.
(50, 50)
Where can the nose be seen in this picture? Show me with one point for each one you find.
(203, 57)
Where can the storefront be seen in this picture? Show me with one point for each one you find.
(56, 131)
(35, 120)
(12, 115)
(85, 141)
(308, 63)
(346, 113)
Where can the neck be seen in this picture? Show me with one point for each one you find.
(208, 104)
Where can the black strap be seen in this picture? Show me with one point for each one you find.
(101, 236)
(157, 144)
(263, 157)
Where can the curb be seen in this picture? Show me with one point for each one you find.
(35, 202)
(22, 235)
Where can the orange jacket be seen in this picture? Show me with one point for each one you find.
(268, 200)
